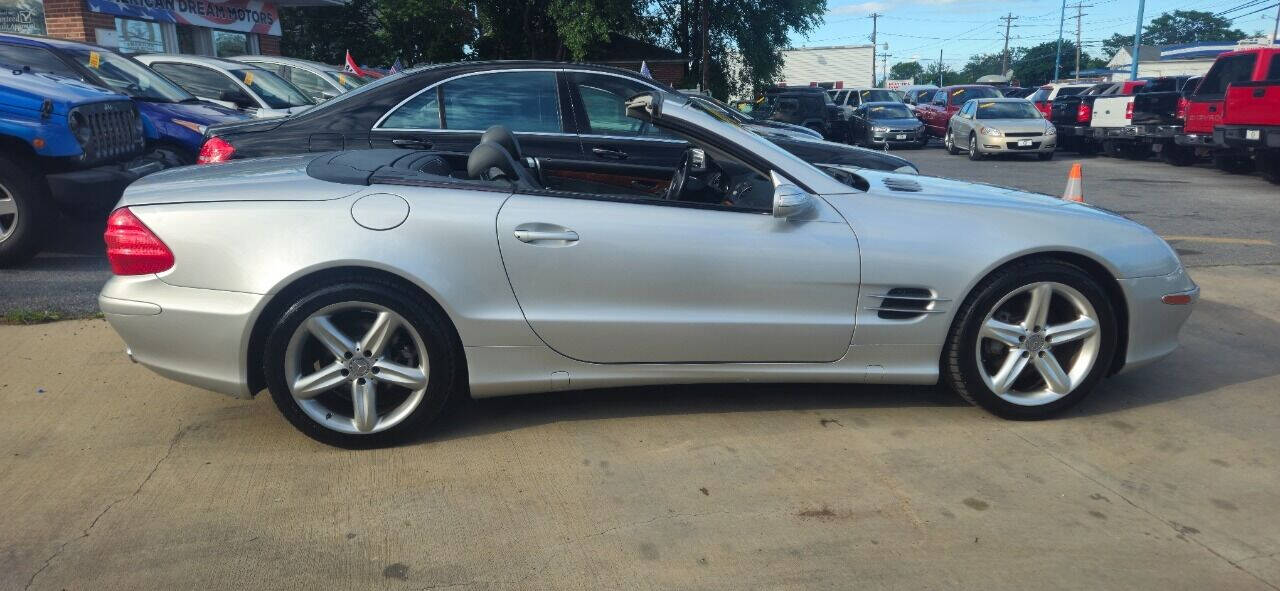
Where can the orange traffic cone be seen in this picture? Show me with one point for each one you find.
(1075, 187)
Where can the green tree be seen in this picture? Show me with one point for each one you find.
(1113, 44)
(1179, 26)
(377, 32)
(1034, 65)
(933, 70)
(907, 71)
(979, 65)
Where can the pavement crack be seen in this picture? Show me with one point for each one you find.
(1179, 529)
(173, 442)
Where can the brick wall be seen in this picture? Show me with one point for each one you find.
(71, 19)
(665, 72)
(269, 45)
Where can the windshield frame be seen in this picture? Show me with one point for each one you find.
(168, 91)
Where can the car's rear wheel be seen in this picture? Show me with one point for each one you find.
(1031, 340)
(24, 214)
(361, 364)
(949, 143)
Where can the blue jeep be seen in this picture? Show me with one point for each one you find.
(175, 120)
(63, 144)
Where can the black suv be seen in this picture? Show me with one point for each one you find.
(810, 107)
(566, 115)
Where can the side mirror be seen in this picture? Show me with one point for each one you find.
(326, 95)
(788, 199)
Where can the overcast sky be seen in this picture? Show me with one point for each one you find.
(919, 28)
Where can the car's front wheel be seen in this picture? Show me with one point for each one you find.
(949, 143)
(361, 364)
(974, 154)
(1031, 340)
(25, 213)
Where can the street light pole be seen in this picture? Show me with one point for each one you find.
(1137, 41)
(1057, 60)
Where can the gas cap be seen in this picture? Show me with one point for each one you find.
(380, 211)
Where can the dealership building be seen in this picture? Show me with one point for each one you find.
(221, 28)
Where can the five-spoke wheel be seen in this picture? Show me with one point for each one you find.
(1031, 340)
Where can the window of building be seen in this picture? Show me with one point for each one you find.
(229, 43)
(134, 36)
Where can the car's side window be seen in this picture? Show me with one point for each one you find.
(421, 112)
(523, 101)
(39, 60)
(197, 80)
(940, 97)
(603, 99)
(307, 82)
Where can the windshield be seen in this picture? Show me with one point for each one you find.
(129, 77)
(345, 80)
(889, 112)
(960, 95)
(1009, 110)
(272, 89)
(877, 96)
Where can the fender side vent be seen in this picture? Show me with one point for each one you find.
(905, 303)
(905, 185)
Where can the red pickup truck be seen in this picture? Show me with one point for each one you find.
(1206, 106)
(1251, 120)
(936, 114)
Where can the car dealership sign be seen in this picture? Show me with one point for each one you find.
(249, 16)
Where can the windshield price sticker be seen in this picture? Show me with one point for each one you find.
(95, 60)
(248, 78)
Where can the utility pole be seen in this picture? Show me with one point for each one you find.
(1004, 59)
(1137, 40)
(706, 52)
(1057, 60)
(884, 64)
(1079, 6)
(1276, 30)
(940, 68)
(875, 17)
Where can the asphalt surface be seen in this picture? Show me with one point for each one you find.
(1216, 219)
(1165, 478)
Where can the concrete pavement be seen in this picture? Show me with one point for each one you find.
(114, 478)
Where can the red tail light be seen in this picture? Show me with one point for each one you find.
(1045, 108)
(1182, 108)
(1128, 111)
(215, 149)
(1084, 113)
(132, 248)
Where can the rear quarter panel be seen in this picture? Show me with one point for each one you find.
(1252, 103)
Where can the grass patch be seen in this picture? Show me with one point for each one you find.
(31, 317)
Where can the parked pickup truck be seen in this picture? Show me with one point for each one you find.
(937, 113)
(63, 144)
(1112, 121)
(1251, 120)
(1159, 112)
(1071, 113)
(1205, 106)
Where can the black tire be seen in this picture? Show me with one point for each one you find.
(1269, 165)
(959, 365)
(949, 142)
(1233, 164)
(1045, 156)
(1176, 155)
(923, 143)
(974, 154)
(33, 214)
(446, 374)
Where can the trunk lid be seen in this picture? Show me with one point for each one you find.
(282, 178)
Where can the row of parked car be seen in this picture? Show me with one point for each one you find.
(1230, 115)
(79, 122)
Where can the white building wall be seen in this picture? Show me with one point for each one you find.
(848, 64)
(1197, 67)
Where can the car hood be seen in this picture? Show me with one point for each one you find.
(1015, 125)
(281, 178)
(202, 112)
(30, 89)
(961, 192)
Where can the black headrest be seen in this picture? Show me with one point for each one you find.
(502, 136)
(489, 161)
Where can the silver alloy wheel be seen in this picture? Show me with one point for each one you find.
(973, 144)
(949, 143)
(1027, 338)
(356, 386)
(8, 213)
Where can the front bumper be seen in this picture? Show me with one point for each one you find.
(1153, 324)
(1013, 145)
(100, 184)
(893, 136)
(194, 336)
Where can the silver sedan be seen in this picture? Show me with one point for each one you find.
(366, 289)
(1000, 126)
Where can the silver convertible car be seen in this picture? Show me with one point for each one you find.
(364, 289)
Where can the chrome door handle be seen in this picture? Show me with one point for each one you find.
(411, 143)
(532, 236)
(609, 153)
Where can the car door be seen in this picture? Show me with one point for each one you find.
(624, 280)
(935, 113)
(858, 125)
(962, 124)
(450, 115)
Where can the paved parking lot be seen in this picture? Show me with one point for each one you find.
(1165, 478)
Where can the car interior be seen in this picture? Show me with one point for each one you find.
(704, 176)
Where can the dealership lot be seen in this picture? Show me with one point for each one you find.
(1164, 477)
